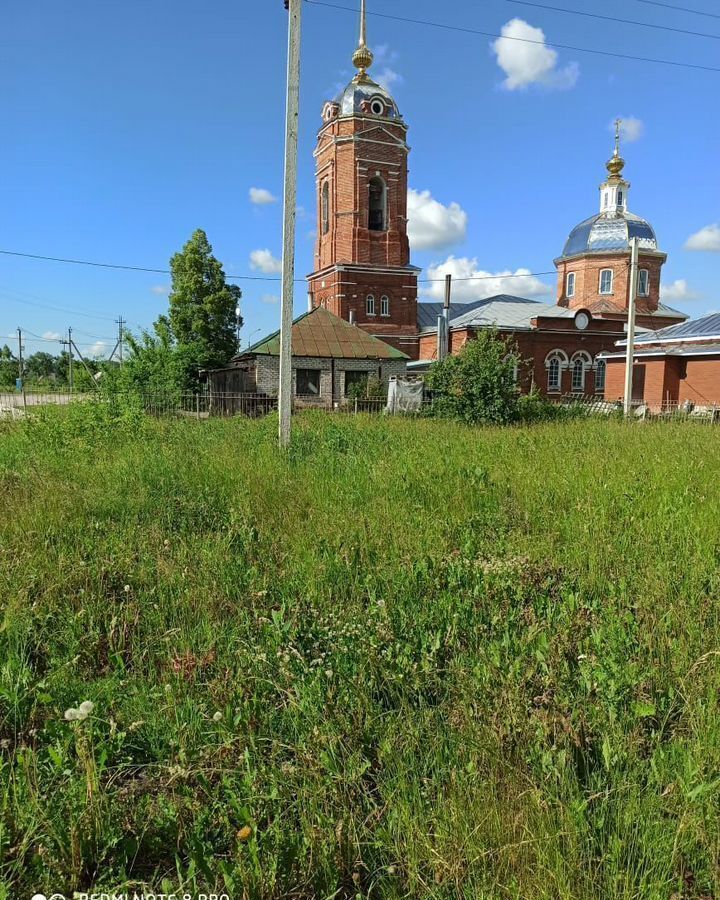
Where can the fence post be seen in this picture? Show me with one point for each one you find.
(197, 406)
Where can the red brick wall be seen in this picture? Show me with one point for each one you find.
(702, 381)
(587, 280)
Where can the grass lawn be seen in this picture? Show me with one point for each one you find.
(408, 659)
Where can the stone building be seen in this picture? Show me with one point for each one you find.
(672, 366)
(363, 269)
(332, 360)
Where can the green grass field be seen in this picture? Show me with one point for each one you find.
(408, 659)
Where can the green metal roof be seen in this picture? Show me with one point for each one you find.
(320, 333)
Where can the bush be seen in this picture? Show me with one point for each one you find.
(477, 386)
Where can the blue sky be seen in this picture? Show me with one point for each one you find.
(126, 126)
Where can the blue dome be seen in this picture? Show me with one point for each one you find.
(357, 99)
(603, 233)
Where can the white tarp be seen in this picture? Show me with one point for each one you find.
(404, 396)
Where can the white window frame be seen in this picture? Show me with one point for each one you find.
(619, 197)
(370, 305)
(600, 366)
(554, 386)
(600, 284)
(643, 292)
(570, 285)
(384, 305)
(577, 386)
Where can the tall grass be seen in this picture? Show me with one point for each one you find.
(407, 659)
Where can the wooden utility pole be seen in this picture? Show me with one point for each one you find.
(631, 326)
(20, 357)
(120, 322)
(443, 322)
(289, 204)
(70, 360)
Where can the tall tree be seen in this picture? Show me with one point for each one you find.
(8, 367)
(201, 318)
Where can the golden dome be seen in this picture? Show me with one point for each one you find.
(362, 58)
(615, 164)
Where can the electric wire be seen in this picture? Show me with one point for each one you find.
(694, 12)
(490, 34)
(591, 15)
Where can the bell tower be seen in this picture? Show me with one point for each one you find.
(362, 256)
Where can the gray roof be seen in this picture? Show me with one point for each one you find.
(352, 97)
(502, 311)
(705, 327)
(605, 232)
(709, 349)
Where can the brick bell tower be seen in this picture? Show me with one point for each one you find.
(362, 256)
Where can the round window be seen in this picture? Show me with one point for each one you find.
(377, 107)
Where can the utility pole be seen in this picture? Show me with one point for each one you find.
(237, 324)
(289, 204)
(631, 326)
(120, 322)
(20, 358)
(70, 361)
(443, 323)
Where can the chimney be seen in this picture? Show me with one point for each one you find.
(310, 306)
(351, 317)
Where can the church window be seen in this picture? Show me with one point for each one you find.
(553, 383)
(307, 382)
(570, 291)
(377, 205)
(643, 283)
(620, 198)
(606, 281)
(605, 199)
(578, 375)
(384, 305)
(600, 370)
(377, 107)
(325, 204)
(370, 305)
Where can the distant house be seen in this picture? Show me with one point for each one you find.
(672, 365)
(331, 360)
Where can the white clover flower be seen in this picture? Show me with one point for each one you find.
(217, 717)
(127, 588)
(72, 714)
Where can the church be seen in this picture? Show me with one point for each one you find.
(364, 275)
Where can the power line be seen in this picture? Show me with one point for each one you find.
(102, 265)
(82, 262)
(590, 15)
(447, 27)
(694, 12)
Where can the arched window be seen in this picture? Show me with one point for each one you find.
(579, 364)
(553, 371)
(606, 281)
(570, 289)
(384, 305)
(325, 207)
(377, 204)
(600, 370)
(370, 305)
(555, 362)
(619, 198)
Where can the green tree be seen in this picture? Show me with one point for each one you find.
(8, 367)
(201, 318)
(477, 385)
(41, 367)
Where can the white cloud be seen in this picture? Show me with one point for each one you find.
(51, 335)
(518, 283)
(97, 349)
(631, 128)
(432, 225)
(387, 77)
(677, 290)
(162, 290)
(269, 299)
(708, 238)
(261, 196)
(264, 261)
(526, 59)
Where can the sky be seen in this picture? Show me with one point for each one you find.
(126, 126)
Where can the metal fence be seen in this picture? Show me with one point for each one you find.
(687, 411)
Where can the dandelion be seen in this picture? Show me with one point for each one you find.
(85, 708)
(72, 714)
(244, 833)
(217, 717)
